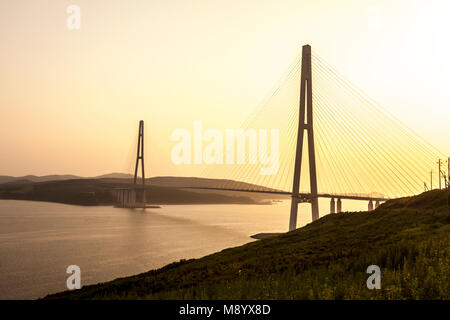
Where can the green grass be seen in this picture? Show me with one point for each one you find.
(408, 238)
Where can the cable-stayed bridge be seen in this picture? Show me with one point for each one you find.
(318, 136)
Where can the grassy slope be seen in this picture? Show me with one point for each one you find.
(408, 238)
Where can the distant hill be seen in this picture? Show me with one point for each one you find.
(33, 178)
(408, 238)
(194, 182)
(7, 182)
(114, 175)
(56, 177)
(98, 191)
(167, 181)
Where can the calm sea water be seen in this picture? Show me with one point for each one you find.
(38, 240)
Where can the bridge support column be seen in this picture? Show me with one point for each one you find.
(294, 210)
(144, 199)
(130, 202)
(124, 199)
(133, 199)
(119, 197)
(332, 206)
(370, 207)
(339, 205)
(306, 113)
(377, 204)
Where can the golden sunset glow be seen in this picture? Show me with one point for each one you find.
(200, 150)
(71, 99)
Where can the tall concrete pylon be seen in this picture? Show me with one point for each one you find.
(306, 106)
(140, 156)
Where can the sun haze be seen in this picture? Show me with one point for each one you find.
(71, 100)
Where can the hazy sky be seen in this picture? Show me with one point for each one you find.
(71, 100)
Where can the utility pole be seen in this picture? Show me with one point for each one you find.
(446, 178)
(431, 180)
(439, 172)
(448, 173)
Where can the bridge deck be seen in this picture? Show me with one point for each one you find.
(305, 195)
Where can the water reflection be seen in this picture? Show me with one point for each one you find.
(39, 240)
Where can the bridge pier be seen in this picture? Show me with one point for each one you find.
(294, 210)
(339, 205)
(140, 156)
(332, 206)
(305, 113)
(377, 204)
(125, 198)
(370, 207)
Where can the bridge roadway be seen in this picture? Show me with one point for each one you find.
(301, 195)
